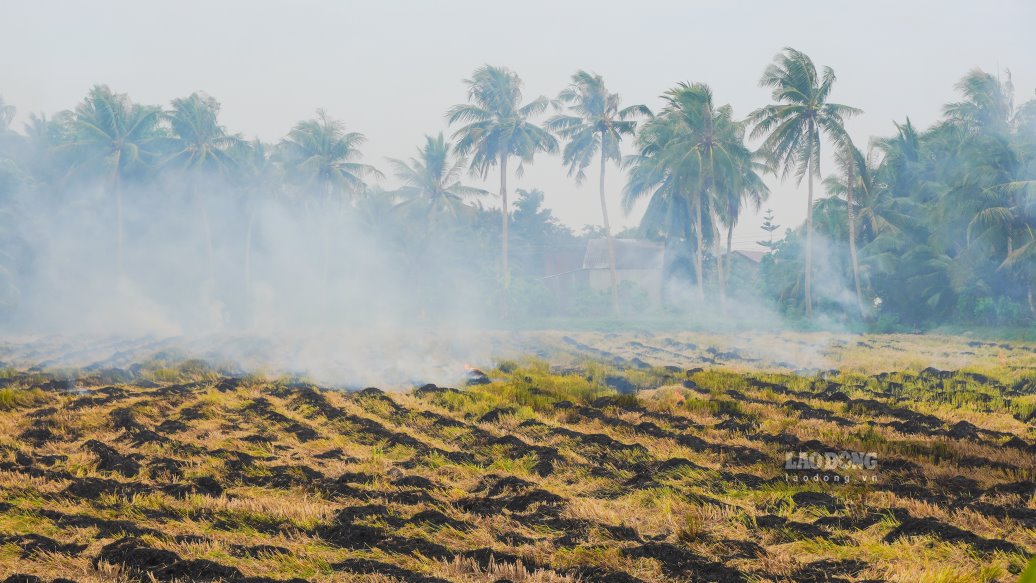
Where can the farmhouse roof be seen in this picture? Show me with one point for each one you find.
(753, 256)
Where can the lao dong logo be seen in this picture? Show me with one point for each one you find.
(828, 464)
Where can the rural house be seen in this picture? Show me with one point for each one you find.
(638, 261)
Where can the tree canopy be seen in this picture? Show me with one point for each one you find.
(917, 228)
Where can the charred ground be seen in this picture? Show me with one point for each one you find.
(603, 470)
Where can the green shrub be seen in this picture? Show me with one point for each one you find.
(12, 398)
(633, 299)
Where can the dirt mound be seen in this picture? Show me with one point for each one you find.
(438, 519)
(829, 571)
(33, 543)
(817, 500)
(371, 567)
(110, 460)
(204, 485)
(147, 562)
(947, 532)
(679, 562)
(509, 493)
(22, 578)
(94, 488)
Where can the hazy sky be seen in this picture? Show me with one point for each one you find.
(390, 69)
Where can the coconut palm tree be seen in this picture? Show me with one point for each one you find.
(794, 125)
(987, 105)
(668, 213)
(198, 141)
(496, 127)
(595, 122)
(992, 163)
(875, 220)
(674, 208)
(320, 154)
(431, 183)
(902, 167)
(115, 136)
(201, 149)
(691, 149)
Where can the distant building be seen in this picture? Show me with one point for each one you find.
(638, 261)
(648, 264)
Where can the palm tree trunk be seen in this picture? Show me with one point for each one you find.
(730, 238)
(611, 240)
(326, 262)
(248, 254)
(698, 251)
(852, 238)
(116, 188)
(1032, 304)
(809, 244)
(720, 274)
(325, 219)
(207, 227)
(505, 273)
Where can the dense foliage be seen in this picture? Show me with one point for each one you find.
(917, 229)
(944, 218)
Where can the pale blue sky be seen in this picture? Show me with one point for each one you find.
(390, 69)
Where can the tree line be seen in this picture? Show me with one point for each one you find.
(919, 228)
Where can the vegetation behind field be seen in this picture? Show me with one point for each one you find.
(161, 217)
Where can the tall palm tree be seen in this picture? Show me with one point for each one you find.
(991, 163)
(496, 127)
(877, 217)
(320, 153)
(794, 126)
(115, 136)
(595, 123)
(653, 172)
(668, 212)
(902, 162)
(853, 167)
(982, 220)
(199, 141)
(201, 149)
(691, 149)
(988, 103)
(432, 185)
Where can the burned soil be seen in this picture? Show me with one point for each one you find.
(604, 470)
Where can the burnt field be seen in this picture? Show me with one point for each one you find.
(616, 458)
